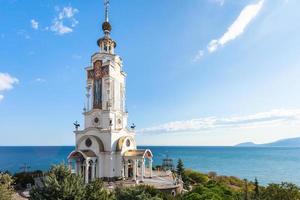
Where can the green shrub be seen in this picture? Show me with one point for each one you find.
(96, 191)
(60, 184)
(6, 189)
(283, 191)
(196, 177)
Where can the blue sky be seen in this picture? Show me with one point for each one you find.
(200, 72)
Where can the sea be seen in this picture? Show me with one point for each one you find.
(267, 164)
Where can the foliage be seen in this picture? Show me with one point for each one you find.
(283, 191)
(180, 172)
(60, 184)
(211, 191)
(24, 178)
(96, 191)
(140, 192)
(6, 190)
(256, 193)
(196, 177)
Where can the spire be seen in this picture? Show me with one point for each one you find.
(106, 44)
(106, 5)
(106, 27)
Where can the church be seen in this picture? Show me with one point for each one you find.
(106, 146)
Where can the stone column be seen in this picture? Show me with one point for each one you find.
(137, 168)
(134, 169)
(150, 168)
(75, 168)
(70, 165)
(126, 168)
(93, 170)
(143, 169)
(86, 177)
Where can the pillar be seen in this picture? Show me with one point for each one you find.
(143, 169)
(134, 169)
(86, 177)
(70, 165)
(93, 170)
(78, 166)
(150, 167)
(126, 168)
(137, 168)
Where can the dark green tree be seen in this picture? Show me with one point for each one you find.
(96, 191)
(180, 168)
(256, 190)
(180, 172)
(246, 190)
(60, 184)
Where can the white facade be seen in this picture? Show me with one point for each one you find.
(106, 147)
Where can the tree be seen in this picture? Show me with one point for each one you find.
(246, 190)
(180, 172)
(283, 191)
(180, 168)
(96, 191)
(256, 190)
(60, 184)
(6, 189)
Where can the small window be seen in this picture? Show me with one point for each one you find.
(128, 143)
(88, 142)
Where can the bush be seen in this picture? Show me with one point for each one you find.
(24, 178)
(283, 191)
(96, 191)
(60, 184)
(6, 189)
(196, 177)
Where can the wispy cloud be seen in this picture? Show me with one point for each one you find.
(40, 80)
(198, 56)
(238, 27)
(23, 33)
(7, 82)
(34, 24)
(65, 21)
(274, 117)
(220, 2)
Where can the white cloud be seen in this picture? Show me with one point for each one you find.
(198, 56)
(273, 118)
(65, 22)
(220, 2)
(238, 27)
(7, 82)
(40, 80)
(24, 34)
(34, 24)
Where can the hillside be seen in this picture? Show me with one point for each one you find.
(291, 142)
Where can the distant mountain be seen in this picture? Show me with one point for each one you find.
(291, 142)
(246, 144)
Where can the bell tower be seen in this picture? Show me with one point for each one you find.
(106, 147)
(105, 106)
